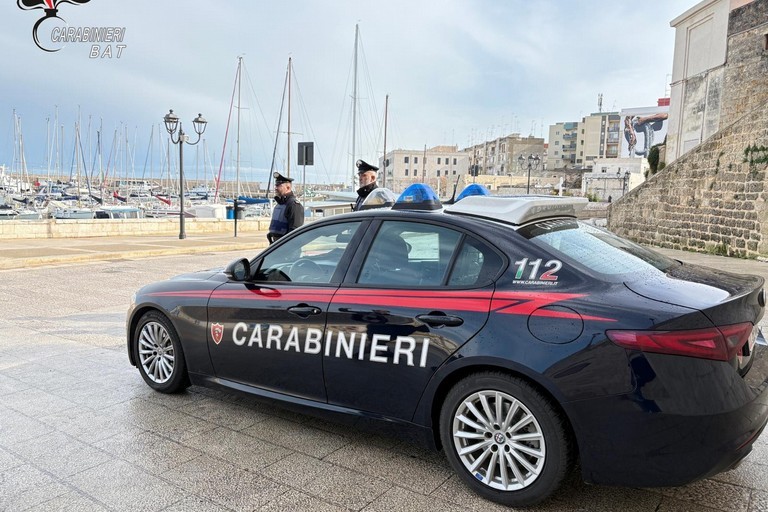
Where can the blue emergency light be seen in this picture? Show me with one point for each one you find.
(418, 196)
(475, 189)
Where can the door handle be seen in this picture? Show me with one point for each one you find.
(305, 311)
(439, 320)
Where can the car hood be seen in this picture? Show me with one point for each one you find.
(201, 275)
(693, 286)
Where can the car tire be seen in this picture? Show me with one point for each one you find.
(505, 439)
(158, 353)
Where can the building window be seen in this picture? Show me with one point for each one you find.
(405, 160)
(438, 173)
(415, 159)
(438, 160)
(557, 143)
(454, 172)
(406, 171)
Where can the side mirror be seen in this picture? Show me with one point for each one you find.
(239, 270)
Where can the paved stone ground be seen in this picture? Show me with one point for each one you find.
(79, 429)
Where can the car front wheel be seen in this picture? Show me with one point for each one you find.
(158, 353)
(504, 439)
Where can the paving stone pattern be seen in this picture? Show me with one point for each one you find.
(79, 429)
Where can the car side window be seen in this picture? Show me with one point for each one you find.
(475, 264)
(311, 257)
(408, 253)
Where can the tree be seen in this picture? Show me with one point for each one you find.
(653, 159)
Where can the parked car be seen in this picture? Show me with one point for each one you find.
(503, 330)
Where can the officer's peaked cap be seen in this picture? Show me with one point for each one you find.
(279, 178)
(363, 166)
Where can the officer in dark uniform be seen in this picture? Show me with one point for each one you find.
(366, 174)
(288, 214)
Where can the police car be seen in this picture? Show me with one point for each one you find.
(503, 331)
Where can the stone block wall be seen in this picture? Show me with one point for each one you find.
(713, 199)
(746, 70)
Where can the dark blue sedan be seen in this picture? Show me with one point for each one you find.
(502, 330)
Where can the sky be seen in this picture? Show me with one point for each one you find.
(456, 72)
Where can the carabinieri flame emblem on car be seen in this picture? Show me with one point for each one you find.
(217, 332)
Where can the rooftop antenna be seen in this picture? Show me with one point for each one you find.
(600, 102)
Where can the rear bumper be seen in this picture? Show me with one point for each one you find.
(634, 449)
(664, 435)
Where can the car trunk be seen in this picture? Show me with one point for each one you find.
(723, 297)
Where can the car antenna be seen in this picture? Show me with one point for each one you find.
(453, 197)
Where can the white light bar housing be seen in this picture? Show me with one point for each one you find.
(518, 210)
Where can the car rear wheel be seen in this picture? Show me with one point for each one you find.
(504, 439)
(158, 353)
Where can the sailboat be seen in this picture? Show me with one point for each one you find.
(68, 210)
(242, 199)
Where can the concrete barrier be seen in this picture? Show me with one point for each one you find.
(86, 228)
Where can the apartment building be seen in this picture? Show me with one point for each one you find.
(500, 156)
(598, 137)
(438, 167)
(561, 151)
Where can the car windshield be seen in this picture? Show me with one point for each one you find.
(595, 248)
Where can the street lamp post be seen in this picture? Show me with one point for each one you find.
(624, 181)
(533, 164)
(171, 122)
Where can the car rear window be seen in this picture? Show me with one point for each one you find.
(594, 248)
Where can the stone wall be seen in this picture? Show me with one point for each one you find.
(714, 198)
(746, 70)
(82, 228)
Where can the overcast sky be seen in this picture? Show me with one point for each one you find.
(456, 72)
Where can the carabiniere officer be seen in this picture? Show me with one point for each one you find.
(366, 175)
(288, 214)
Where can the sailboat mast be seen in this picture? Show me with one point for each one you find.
(277, 133)
(288, 169)
(384, 164)
(237, 165)
(102, 181)
(48, 147)
(24, 176)
(354, 104)
(55, 137)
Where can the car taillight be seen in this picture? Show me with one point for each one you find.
(718, 343)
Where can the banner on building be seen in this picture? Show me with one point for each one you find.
(643, 127)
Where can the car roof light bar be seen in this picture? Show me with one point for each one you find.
(418, 197)
(475, 189)
(518, 210)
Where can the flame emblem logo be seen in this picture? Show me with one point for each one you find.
(217, 332)
(50, 7)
